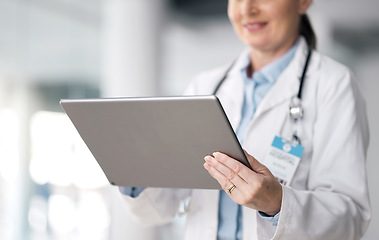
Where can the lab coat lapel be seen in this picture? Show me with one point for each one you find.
(231, 92)
(285, 88)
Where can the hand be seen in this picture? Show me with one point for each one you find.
(257, 188)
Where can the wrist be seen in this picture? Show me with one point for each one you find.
(277, 204)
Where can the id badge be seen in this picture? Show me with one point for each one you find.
(283, 159)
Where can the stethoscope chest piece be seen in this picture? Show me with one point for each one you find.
(296, 113)
(296, 109)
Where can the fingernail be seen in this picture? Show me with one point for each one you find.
(215, 154)
(208, 159)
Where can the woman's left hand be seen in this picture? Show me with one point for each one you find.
(256, 188)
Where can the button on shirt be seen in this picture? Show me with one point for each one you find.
(255, 89)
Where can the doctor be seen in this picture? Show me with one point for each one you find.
(302, 118)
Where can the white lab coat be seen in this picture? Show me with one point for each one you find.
(328, 197)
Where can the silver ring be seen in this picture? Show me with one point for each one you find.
(231, 188)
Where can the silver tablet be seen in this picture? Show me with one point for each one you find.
(155, 142)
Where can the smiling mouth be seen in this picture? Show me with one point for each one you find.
(254, 26)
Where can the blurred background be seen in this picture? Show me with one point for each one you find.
(50, 186)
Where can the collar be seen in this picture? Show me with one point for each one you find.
(271, 72)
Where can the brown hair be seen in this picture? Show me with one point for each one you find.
(306, 30)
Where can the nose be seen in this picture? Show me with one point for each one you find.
(249, 7)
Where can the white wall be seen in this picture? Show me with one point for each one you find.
(357, 16)
(368, 70)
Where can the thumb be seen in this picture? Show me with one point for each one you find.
(255, 164)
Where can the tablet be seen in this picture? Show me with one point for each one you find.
(155, 141)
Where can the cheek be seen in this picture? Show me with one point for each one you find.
(284, 17)
(234, 19)
(232, 13)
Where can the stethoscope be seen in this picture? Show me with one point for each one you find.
(296, 110)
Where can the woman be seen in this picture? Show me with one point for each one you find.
(323, 192)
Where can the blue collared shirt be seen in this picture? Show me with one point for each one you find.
(255, 89)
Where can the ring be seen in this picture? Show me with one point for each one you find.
(231, 188)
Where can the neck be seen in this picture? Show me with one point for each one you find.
(260, 58)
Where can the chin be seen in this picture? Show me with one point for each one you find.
(259, 45)
(259, 40)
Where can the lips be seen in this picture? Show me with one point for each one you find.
(254, 26)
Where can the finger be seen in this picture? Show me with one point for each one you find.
(235, 191)
(221, 179)
(241, 170)
(225, 170)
